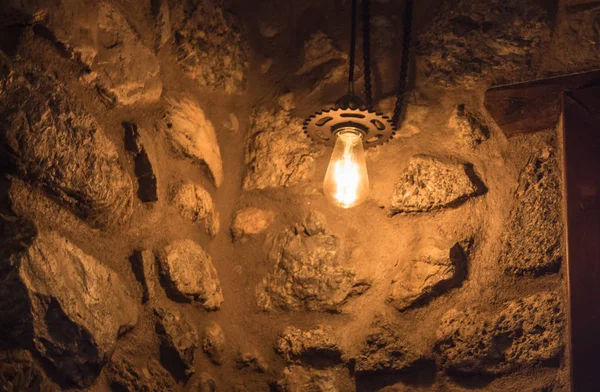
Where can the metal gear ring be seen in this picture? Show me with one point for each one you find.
(322, 126)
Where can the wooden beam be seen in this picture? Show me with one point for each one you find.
(581, 137)
(533, 106)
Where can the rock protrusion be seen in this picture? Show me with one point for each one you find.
(306, 274)
(532, 238)
(188, 274)
(316, 345)
(385, 352)
(249, 222)
(469, 127)
(428, 184)
(178, 339)
(65, 305)
(213, 343)
(193, 135)
(196, 205)
(50, 140)
(527, 332)
(435, 272)
(278, 153)
(147, 184)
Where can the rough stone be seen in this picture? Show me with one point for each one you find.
(429, 184)
(210, 47)
(123, 375)
(178, 338)
(147, 185)
(323, 62)
(193, 135)
(143, 263)
(204, 382)
(124, 66)
(469, 127)
(576, 41)
(163, 22)
(49, 139)
(385, 352)
(188, 274)
(252, 360)
(249, 222)
(532, 238)
(300, 379)
(195, 205)
(65, 304)
(468, 41)
(213, 343)
(306, 274)
(19, 372)
(428, 276)
(109, 49)
(525, 333)
(278, 153)
(315, 345)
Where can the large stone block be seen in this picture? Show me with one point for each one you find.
(278, 153)
(532, 237)
(301, 379)
(316, 345)
(210, 46)
(65, 305)
(469, 40)
(527, 332)
(306, 274)
(428, 184)
(434, 273)
(49, 139)
(124, 375)
(385, 352)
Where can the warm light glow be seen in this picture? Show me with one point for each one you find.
(346, 181)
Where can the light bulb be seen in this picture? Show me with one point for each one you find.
(346, 181)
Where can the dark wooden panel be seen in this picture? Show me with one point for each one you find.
(533, 106)
(581, 136)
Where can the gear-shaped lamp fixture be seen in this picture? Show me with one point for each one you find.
(351, 126)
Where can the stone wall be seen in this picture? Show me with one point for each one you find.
(164, 227)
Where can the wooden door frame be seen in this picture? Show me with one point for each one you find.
(580, 133)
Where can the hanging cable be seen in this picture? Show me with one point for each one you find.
(352, 48)
(403, 64)
(367, 52)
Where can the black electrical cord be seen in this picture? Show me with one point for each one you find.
(408, 11)
(367, 52)
(352, 49)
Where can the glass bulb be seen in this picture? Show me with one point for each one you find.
(346, 181)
